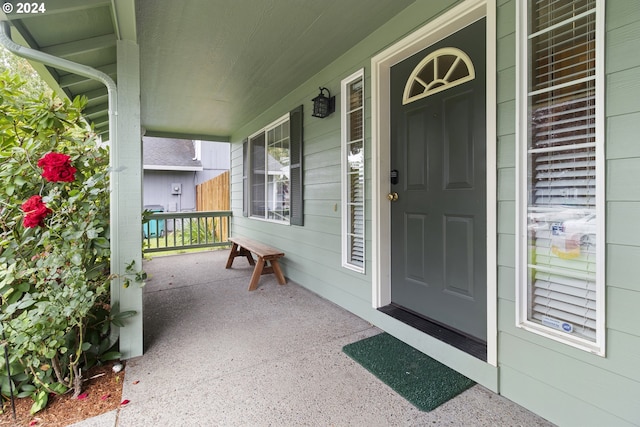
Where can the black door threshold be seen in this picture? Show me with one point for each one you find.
(456, 339)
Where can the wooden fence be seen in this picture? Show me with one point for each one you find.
(214, 195)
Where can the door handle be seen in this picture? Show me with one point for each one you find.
(392, 196)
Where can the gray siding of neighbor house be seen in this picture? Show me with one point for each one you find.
(216, 159)
(563, 384)
(157, 190)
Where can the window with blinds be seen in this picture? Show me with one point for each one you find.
(353, 197)
(562, 290)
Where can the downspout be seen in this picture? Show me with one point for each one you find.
(91, 73)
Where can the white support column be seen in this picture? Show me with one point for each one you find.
(126, 198)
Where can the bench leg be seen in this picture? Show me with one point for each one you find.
(232, 255)
(246, 253)
(239, 251)
(277, 271)
(257, 272)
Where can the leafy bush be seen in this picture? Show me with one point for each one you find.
(54, 247)
(196, 231)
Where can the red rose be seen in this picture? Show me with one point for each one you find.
(57, 167)
(35, 212)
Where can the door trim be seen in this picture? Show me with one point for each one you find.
(449, 22)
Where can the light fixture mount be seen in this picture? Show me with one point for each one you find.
(323, 105)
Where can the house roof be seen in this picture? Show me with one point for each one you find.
(169, 154)
(207, 66)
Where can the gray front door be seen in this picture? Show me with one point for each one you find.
(438, 220)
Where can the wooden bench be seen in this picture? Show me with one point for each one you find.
(243, 247)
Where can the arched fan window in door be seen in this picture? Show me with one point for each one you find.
(440, 70)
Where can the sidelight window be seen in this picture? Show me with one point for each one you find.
(560, 160)
(353, 211)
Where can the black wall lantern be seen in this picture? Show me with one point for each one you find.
(323, 105)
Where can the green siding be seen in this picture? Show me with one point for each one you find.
(619, 187)
(507, 114)
(619, 361)
(507, 151)
(623, 306)
(507, 215)
(566, 385)
(506, 184)
(313, 252)
(506, 278)
(619, 86)
(506, 250)
(504, 14)
(621, 140)
(622, 13)
(540, 398)
(622, 219)
(620, 43)
(506, 84)
(569, 386)
(607, 391)
(505, 44)
(623, 268)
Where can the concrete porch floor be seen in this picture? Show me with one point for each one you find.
(218, 355)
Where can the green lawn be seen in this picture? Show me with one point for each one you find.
(161, 242)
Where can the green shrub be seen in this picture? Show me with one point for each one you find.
(197, 231)
(54, 243)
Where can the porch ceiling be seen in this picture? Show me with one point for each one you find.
(207, 66)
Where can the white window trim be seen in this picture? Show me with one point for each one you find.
(522, 67)
(264, 130)
(197, 148)
(344, 106)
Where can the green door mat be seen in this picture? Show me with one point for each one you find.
(424, 382)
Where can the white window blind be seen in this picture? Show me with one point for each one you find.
(561, 175)
(353, 172)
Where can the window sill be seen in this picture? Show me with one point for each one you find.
(273, 221)
(569, 340)
(352, 267)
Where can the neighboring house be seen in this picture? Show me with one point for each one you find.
(173, 168)
(474, 194)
